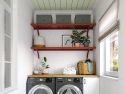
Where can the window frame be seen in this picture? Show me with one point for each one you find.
(106, 73)
(102, 38)
(8, 8)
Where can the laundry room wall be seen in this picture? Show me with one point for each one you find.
(22, 21)
(121, 48)
(58, 60)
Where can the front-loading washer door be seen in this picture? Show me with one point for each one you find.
(40, 89)
(69, 89)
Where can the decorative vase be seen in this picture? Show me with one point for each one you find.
(39, 68)
(39, 41)
(35, 71)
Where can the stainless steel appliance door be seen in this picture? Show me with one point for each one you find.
(40, 89)
(69, 89)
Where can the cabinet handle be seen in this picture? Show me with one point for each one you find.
(84, 81)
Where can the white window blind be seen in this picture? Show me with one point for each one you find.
(109, 19)
(108, 38)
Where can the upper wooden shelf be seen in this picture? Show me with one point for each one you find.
(63, 26)
(63, 48)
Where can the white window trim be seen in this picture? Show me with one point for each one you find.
(111, 74)
(3, 7)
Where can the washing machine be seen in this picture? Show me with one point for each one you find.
(69, 85)
(40, 86)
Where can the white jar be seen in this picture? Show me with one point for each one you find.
(39, 40)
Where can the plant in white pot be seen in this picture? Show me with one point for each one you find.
(45, 66)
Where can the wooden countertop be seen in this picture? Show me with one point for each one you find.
(61, 75)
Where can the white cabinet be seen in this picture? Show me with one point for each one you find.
(63, 17)
(91, 85)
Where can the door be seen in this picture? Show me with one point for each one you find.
(69, 89)
(40, 89)
(91, 85)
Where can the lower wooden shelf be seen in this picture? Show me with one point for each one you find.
(62, 75)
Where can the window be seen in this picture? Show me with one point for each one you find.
(6, 48)
(108, 37)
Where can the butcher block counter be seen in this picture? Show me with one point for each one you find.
(61, 75)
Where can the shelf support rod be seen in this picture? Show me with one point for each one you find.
(87, 56)
(87, 33)
(38, 32)
(38, 54)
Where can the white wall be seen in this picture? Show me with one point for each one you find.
(61, 59)
(122, 48)
(22, 21)
(108, 85)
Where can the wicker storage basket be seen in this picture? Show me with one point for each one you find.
(83, 68)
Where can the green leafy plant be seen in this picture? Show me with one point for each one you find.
(86, 42)
(115, 65)
(77, 37)
(44, 64)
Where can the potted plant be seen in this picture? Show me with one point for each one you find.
(45, 66)
(78, 38)
(86, 42)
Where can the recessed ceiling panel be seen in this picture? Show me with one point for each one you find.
(46, 4)
(63, 4)
(52, 4)
(58, 3)
(75, 4)
(80, 4)
(69, 4)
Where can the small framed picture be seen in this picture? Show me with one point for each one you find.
(66, 41)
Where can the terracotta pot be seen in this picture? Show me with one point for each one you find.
(77, 45)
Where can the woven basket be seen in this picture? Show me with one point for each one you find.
(83, 68)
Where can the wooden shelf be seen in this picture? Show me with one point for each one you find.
(86, 26)
(63, 48)
(63, 26)
(62, 75)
